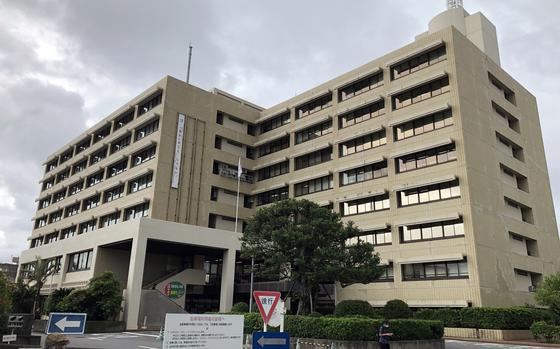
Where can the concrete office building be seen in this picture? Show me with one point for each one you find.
(433, 150)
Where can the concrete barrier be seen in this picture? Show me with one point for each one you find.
(484, 334)
(310, 343)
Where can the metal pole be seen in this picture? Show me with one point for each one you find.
(251, 290)
(189, 64)
(237, 198)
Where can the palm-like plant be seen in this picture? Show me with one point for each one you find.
(36, 279)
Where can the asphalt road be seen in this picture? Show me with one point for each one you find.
(148, 340)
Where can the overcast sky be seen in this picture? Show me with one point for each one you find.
(66, 64)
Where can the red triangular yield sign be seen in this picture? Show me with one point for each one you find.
(266, 301)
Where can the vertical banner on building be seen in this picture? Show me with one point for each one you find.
(178, 151)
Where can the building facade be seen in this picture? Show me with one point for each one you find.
(433, 150)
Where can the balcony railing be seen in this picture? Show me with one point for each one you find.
(232, 173)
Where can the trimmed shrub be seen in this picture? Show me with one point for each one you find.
(449, 317)
(396, 309)
(543, 331)
(503, 318)
(240, 307)
(348, 328)
(353, 307)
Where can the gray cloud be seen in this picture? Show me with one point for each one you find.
(65, 64)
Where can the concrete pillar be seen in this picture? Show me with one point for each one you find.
(228, 276)
(63, 268)
(134, 283)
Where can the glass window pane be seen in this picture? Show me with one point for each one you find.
(437, 231)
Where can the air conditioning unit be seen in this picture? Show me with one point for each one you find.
(532, 288)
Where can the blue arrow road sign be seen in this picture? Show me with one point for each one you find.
(67, 323)
(271, 340)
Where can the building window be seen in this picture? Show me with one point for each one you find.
(87, 227)
(314, 106)
(101, 134)
(123, 119)
(44, 203)
(314, 158)
(248, 201)
(365, 205)
(76, 187)
(214, 194)
(418, 62)
(55, 216)
(231, 171)
(27, 270)
(59, 195)
(143, 156)
(95, 179)
(40, 222)
(429, 193)
(313, 132)
(51, 165)
(273, 170)
(146, 130)
(273, 123)
(80, 261)
(362, 114)
(110, 219)
(91, 202)
(98, 156)
(421, 93)
(137, 211)
(437, 270)
(273, 146)
(271, 196)
(150, 104)
(113, 193)
(140, 183)
(67, 232)
(510, 147)
(72, 210)
(363, 85)
(66, 156)
(426, 158)
(374, 237)
(314, 185)
(53, 264)
(432, 231)
(120, 144)
(62, 175)
(362, 143)
(47, 184)
(423, 125)
(83, 145)
(511, 121)
(117, 168)
(508, 93)
(79, 167)
(36, 242)
(518, 211)
(50, 238)
(364, 173)
(387, 274)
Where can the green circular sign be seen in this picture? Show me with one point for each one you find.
(174, 289)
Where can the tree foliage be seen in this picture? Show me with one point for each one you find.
(22, 297)
(396, 309)
(5, 301)
(548, 293)
(54, 300)
(302, 242)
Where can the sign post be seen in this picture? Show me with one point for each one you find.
(266, 302)
(66, 323)
(9, 338)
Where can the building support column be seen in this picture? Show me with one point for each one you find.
(134, 282)
(228, 277)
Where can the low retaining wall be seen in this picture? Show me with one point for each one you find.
(310, 343)
(495, 335)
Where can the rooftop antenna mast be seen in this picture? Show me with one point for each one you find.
(454, 4)
(189, 64)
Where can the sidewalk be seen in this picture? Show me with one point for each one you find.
(526, 342)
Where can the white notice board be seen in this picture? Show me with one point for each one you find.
(211, 331)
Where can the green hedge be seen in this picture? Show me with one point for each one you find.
(487, 318)
(353, 307)
(347, 328)
(543, 331)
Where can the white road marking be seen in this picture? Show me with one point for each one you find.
(142, 334)
(143, 346)
(127, 336)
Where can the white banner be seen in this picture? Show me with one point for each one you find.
(211, 331)
(178, 151)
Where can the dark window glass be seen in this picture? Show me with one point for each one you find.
(360, 86)
(363, 143)
(364, 173)
(271, 196)
(314, 185)
(314, 106)
(365, 205)
(439, 270)
(313, 132)
(418, 62)
(421, 93)
(314, 158)
(361, 114)
(273, 170)
(274, 123)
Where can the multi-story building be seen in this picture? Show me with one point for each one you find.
(433, 150)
